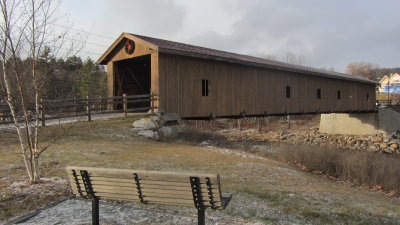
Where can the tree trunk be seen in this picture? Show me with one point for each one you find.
(36, 168)
(10, 102)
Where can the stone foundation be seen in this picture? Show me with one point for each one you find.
(385, 121)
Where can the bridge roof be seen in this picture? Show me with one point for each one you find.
(213, 54)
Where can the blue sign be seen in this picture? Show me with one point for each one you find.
(392, 89)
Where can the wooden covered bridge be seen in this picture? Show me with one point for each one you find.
(197, 82)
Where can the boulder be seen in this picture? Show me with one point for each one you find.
(145, 124)
(170, 119)
(377, 140)
(168, 133)
(150, 134)
(394, 146)
(351, 142)
(157, 120)
(383, 146)
(388, 150)
(372, 149)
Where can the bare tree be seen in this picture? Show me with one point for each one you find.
(26, 29)
(364, 69)
(269, 56)
(286, 56)
(290, 57)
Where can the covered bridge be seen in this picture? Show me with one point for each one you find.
(199, 82)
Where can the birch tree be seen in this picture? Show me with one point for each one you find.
(27, 29)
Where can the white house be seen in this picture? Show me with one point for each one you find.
(390, 83)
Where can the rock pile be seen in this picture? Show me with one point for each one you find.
(162, 126)
(387, 143)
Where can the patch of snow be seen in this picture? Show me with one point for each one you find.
(206, 143)
(148, 134)
(78, 212)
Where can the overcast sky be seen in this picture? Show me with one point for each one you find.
(327, 33)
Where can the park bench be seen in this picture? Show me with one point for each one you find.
(201, 191)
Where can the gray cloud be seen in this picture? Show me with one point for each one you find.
(326, 33)
(150, 17)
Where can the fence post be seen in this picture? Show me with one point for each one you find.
(75, 108)
(42, 113)
(3, 113)
(125, 104)
(88, 109)
(152, 102)
(101, 104)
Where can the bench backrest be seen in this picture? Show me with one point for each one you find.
(149, 187)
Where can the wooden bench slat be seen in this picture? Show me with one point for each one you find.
(146, 186)
(172, 201)
(111, 188)
(143, 174)
(145, 196)
(130, 180)
(144, 182)
(152, 198)
(153, 192)
(133, 197)
(158, 195)
(147, 192)
(116, 198)
(129, 184)
(169, 203)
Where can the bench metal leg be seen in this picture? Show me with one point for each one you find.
(95, 212)
(201, 214)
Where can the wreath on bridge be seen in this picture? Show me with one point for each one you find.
(129, 46)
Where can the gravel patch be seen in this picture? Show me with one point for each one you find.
(78, 212)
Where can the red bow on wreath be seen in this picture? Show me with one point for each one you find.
(129, 46)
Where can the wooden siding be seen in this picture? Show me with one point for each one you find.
(237, 88)
(117, 53)
(110, 78)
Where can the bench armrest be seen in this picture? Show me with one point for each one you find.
(225, 199)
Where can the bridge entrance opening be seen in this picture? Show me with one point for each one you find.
(133, 77)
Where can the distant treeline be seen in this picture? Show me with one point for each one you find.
(72, 77)
(61, 78)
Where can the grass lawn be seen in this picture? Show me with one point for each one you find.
(264, 190)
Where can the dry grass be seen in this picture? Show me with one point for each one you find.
(265, 191)
(273, 123)
(360, 167)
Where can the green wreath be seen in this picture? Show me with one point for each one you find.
(129, 46)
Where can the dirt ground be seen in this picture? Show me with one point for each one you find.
(264, 191)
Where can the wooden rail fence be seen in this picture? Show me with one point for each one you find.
(387, 103)
(75, 107)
